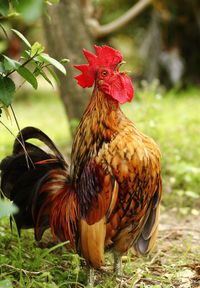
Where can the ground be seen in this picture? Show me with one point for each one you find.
(175, 261)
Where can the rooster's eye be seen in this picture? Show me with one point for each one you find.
(104, 73)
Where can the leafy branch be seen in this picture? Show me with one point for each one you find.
(33, 56)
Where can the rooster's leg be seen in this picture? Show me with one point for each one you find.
(117, 264)
(90, 277)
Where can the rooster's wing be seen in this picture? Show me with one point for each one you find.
(134, 161)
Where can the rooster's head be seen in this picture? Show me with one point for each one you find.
(103, 69)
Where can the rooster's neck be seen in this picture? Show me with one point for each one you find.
(102, 115)
(104, 101)
(98, 125)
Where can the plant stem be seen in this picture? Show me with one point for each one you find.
(25, 151)
(22, 139)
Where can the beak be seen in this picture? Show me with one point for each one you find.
(125, 72)
(119, 65)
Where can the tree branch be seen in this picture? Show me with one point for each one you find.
(102, 30)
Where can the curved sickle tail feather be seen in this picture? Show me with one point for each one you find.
(57, 207)
(34, 133)
(42, 191)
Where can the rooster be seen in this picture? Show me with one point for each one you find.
(109, 197)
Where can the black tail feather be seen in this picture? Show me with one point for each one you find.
(19, 179)
(35, 133)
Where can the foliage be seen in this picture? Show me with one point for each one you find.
(33, 56)
(41, 267)
(28, 10)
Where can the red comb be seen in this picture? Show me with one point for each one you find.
(106, 56)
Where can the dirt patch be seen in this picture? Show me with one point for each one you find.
(175, 261)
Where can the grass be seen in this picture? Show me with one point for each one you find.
(173, 120)
(172, 263)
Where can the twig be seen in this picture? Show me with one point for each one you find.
(103, 30)
(182, 228)
(192, 265)
(23, 64)
(137, 280)
(23, 270)
(155, 256)
(22, 139)
(25, 152)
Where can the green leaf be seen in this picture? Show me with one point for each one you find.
(4, 31)
(3, 46)
(29, 9)
(6, 209)
(49, 2)
(10, 63)
(36, 49)
(36, 72)
(22, 37)
(4, 7)
(7, 66)
(45, 77)
(2, 68)
(53, 74)
(39, 71)
(54, 1)
(28, 76)
(65, 60)
(13, 14)
(47, 59)
(7, 91)
(47, 251)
